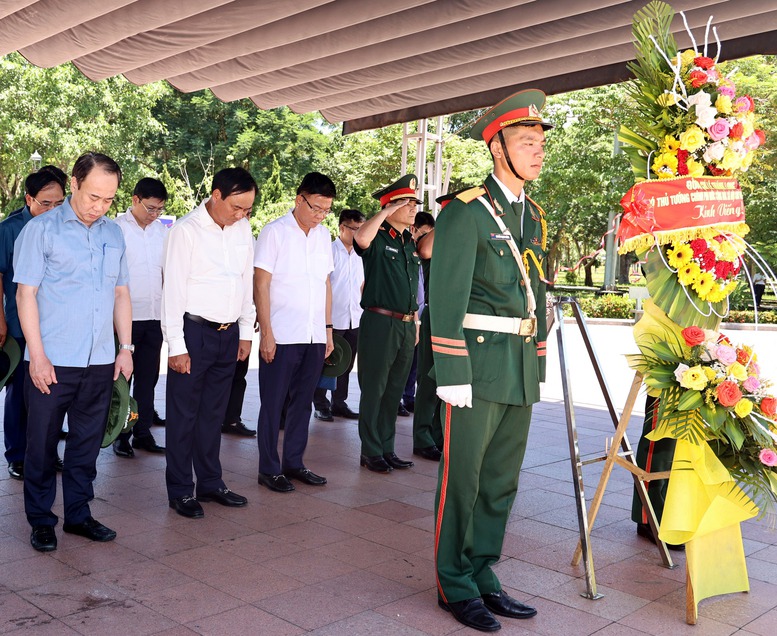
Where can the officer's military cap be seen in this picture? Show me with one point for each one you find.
(402, 188)
(521, 109)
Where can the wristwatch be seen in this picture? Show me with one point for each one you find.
(128, 347)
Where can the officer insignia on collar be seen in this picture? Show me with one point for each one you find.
(534, 217)
(393, 233)
(535, 240)
(498, 206)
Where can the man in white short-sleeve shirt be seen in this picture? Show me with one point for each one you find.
(145, 236)
(293, 297)
(347, 284)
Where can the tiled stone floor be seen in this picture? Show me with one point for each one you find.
(353, 557)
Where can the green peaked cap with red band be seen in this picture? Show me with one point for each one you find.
(520, 109)
(403, 188)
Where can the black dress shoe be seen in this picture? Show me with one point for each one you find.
(394, 461)
(305, 475)
(16, 471)
(43, 538)
(123, 448)
(91, 529)
(59, 465)
(505, 605)
(345, 412)
(375, 463)
(325, 415)
(158, 421)
(472, 613)
(432, 453)
(410, 406)
(644, 531)
(237, 428)
(147, 443)
(278, 483)
(224, 496)
(187, 506)
(401, 410)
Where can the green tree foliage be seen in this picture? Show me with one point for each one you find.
(272, 189)
(61, 114)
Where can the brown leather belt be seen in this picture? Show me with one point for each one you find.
(392, 314)
(218, 326)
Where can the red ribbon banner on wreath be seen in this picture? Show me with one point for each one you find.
(667, 209)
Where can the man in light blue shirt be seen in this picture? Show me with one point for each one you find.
(72, 280)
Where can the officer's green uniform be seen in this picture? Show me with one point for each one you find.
(474, 271)
(386, 344)
(426, 426)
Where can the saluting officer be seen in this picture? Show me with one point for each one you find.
(388, 330)
(488, 341)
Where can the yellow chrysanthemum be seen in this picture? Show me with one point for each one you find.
(704, 284)
(692, 139)
(688, 274)
(665, 166)
(694, 378)
(737, 371)
(723, 104)
(670, 144)
(747, 127)
(743, 407)
(731, 160)
(679, 256)
(695, 169)
(710, 373)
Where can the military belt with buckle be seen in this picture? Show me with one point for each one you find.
(501, 324)
(218, 326)
(392, 314)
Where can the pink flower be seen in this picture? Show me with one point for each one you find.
(752, 142)
(719, 129)
(751, 384)
(768, 457)
(727, 355)
(744, 104)
(727, 88)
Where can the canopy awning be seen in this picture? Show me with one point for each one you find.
(367, 63)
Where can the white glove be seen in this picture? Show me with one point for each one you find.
(456, 395)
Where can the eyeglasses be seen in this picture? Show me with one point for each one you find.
(152, 210)
(47, 205)
(351, 227)
(315, 208)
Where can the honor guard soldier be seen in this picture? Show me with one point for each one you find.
(488, 342)
(388, 330)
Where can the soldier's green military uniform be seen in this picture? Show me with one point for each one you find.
(474, 272)
(426, 426)
(386, 344)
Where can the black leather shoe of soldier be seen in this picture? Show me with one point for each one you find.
(505, 605)
(237, 428)
(472, 613)
(148, 444)
(375, 463)
(432, 453)
(158, 421)
(345, 412)
(395, 462)
(402, 411)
